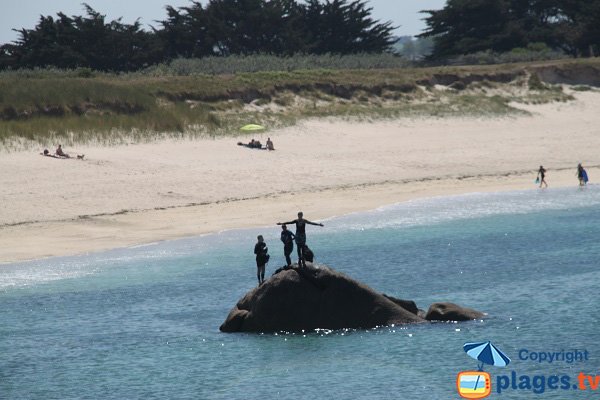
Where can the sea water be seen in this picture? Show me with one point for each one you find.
(142, 323)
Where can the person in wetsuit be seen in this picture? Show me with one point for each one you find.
(300, 223)
(287, 238)
(262, 257)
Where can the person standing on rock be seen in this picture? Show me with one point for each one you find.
(300, 235)
(262, 258)
(287, 238)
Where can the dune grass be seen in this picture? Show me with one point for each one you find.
(84, 107)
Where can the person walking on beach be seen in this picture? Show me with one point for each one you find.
(541, 177)
(262, 258)
(287, 238)
(581, 175)
(300, 223)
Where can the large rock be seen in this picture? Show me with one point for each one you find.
(451, 312)
(306, 299)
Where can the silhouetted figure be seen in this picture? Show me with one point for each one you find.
(287, 238)
(300, 235)
(582, 175)
(542, 176)
(308, 254)
(262, 258)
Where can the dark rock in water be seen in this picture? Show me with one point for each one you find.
(451, 312)
(311, 298)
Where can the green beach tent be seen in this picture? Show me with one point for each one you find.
(252, 128)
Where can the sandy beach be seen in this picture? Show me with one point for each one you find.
(142, 193)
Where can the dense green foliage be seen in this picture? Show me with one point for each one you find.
(235, 64)
(214, 65)
(221, 28)
(471, 26)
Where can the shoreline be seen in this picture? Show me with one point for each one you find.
(92, 234)
(135, 194)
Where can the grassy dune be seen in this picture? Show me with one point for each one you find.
(74, 107)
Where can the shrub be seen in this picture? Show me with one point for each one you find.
(534, 52)
(266, 63)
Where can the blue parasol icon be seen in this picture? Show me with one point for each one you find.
(487, 353)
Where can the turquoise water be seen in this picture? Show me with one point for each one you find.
(142, 323)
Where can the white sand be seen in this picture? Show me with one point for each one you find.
(181, 188)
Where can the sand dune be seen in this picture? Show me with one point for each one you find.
(126, 195)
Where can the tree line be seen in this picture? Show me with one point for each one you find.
(221, 28)
(471, 26)
(290, 27)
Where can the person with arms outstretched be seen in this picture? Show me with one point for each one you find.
(300, 223)
(287, 238)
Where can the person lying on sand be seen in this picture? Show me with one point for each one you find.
(253, 144)
(47, 154)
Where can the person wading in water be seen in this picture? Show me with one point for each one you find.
(300, 223)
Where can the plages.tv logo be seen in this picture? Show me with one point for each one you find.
(478, 384)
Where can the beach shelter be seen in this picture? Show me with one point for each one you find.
(487, 353)
(252, 128)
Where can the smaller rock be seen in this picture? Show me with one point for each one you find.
(451, 312)
(236, 319)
